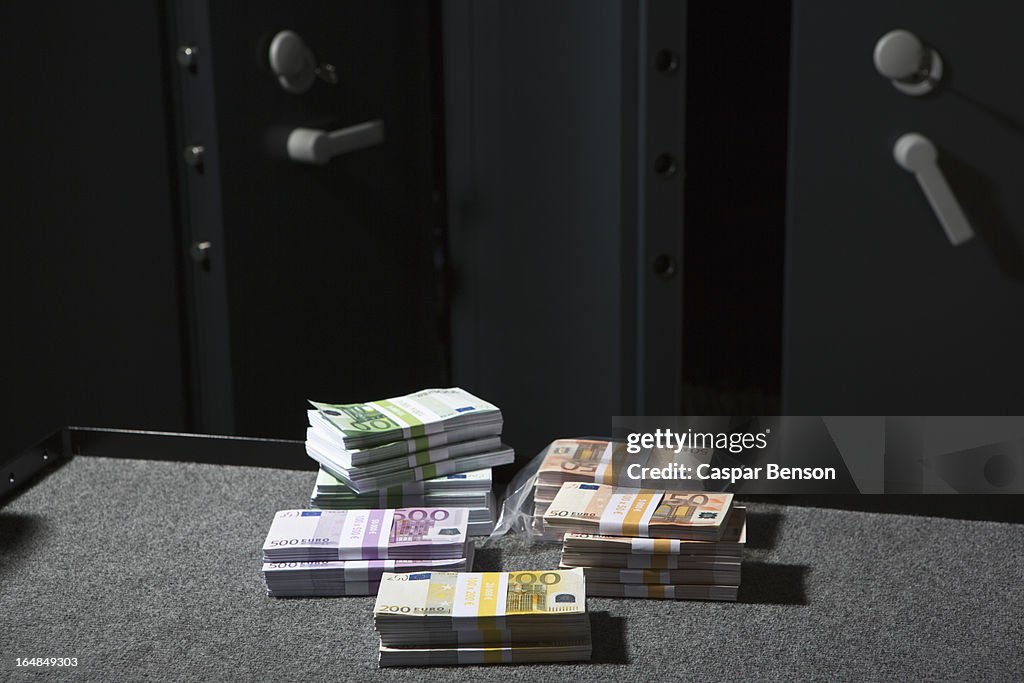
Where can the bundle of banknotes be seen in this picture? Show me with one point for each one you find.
(595, 461)
(387, 443)
(470, 490)
(642, 543)
(437, 618)
(320, 553)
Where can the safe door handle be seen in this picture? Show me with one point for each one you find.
(917, 154)
(314, 146)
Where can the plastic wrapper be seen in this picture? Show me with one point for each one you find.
(590, 461)
(516, 514)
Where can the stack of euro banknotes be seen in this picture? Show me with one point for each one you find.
(595, 461)
(436, 618)
(432, 448)
(642, 543)
(470, 490)
(328, 553)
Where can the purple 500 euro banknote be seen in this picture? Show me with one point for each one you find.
(310, 535)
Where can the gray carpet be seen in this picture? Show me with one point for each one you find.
(150, 571)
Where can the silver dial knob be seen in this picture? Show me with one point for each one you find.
(913, 67)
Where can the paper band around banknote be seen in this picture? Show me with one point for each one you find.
(662, 592)
(361, 570)
(608, 462)
(363, 534)
(540, 653)
(503, 456)
(332, 439)
(734, 537)
(617, 511)
(404, 417)
(481, 600)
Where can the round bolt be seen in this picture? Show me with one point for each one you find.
(194, 154)
(665, 165)
(201, 252)
(666, 61)
(664, 266)
(186, 56)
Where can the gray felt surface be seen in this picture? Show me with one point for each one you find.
(150, 571)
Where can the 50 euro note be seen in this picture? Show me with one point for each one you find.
(642, 562)
(609, 462)
(615, 511)
(721, 575)
(430, 411)
(732, 541)
(662, 592)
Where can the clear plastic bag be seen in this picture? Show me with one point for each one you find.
(517, 508)
(516, 514)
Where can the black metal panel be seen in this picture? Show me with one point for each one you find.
(181, 447)
(90, 280)
(324, 281)
(535, 169)
(884, 315)
(205, 284)
(660, 176)
(737, 69)
(23, 470)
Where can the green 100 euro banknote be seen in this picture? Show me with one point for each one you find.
(425, 412)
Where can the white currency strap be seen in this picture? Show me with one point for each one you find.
(433, 455)
(433, 440)
(359, 570)
(647, 561)
(603, 475)
(361, 587)
(646, 545)
(640, 576)
(634, 590)
(412, 493)
(468, 594)
(443, 468)
(470, 638)
(619, 505)
(354, 531)
(638, 561)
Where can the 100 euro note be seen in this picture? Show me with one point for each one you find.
(404, 417)
(325, 430)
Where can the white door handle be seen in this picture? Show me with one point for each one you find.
(917, 154)
(313, 146)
